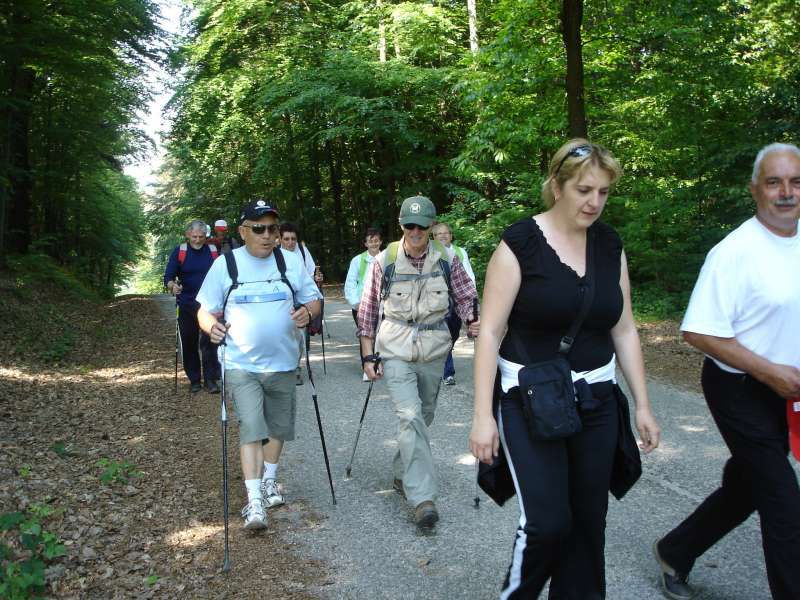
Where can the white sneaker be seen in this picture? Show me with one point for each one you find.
(254, 515)
(269, 490)
(365, 378)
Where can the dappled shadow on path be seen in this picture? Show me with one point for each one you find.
(156, 529)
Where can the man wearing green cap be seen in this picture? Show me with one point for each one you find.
(401, 317)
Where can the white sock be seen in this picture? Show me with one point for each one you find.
(253, 489)
(270, 471)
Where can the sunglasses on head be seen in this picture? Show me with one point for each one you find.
(413, 226)
(261, 228)
(576, 152)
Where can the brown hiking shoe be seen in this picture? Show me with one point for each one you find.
(425, 516)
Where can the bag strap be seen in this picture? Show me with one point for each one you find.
(280, 261)
(587, 289)
(565, 345)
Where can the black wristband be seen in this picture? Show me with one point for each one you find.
(373, 358)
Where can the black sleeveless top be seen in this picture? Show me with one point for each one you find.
(549, 298)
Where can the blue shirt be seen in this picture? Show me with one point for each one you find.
(191, 272)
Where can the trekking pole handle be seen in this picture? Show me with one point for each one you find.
(221, 321)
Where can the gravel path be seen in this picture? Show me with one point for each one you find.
(368, 539)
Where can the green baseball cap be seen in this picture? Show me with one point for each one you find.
(418, 210)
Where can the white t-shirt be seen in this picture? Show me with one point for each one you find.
(353, 288)
(749, 289)
(262, 337)
(308, 260)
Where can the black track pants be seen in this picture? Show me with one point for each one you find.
(562, 487)
(192, 340)
(758, 476)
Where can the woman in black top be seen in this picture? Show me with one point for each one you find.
(533, 288)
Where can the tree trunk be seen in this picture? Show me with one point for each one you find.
(472, 11)
(293, 174)
(335, 172)
(381, 32)
(571, 18)
(20, 177)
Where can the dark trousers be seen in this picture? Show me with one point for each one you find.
(562, 486)
(355, 318)
(192, 340)
(758, 476)
(454, 325)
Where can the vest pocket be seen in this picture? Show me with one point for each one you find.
(437, 297)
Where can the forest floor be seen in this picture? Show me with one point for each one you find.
(98, 448)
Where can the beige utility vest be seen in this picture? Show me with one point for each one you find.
(412, 325)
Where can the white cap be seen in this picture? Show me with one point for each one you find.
(220, 223)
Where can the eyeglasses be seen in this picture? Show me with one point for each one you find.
(261, 228)
(576, 152)
(413, 226)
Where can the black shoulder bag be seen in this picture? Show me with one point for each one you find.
(548, 394)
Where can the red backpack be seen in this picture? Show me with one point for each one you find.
(182, 249)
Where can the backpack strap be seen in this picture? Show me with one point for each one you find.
(362, 266)
(214, 251)
(388, 269)
(280, 261)
(182, 249)
(444, 265)
(233, 273)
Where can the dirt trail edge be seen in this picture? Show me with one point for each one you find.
(156, 533)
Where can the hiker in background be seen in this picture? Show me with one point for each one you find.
(357, 272)
(402, 317)
(744, 315)
(187, 267)
(443, 233)
(290, 242)
(222, 239)
(261, 353)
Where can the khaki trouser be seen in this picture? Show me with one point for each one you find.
(413, 388)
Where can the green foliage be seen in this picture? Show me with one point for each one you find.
(26, 548)
(68, 113)
(115, 471)
(293, 102)
(61, 449)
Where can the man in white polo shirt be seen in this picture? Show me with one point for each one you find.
(261, 356)
(744, 314)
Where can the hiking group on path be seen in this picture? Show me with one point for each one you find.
(550, 424)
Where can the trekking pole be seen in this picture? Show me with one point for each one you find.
(316, 410)
(177, 337)
(476, 502)
(226, 564)
(177, 343)
(322, 339)
(361, 421)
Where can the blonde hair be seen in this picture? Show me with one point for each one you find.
(567, 163)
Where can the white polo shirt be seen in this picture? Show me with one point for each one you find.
(749, 289)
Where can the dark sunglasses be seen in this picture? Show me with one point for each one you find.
(413, 226)
(576, 152)
(261, 228)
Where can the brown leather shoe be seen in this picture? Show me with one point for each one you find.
(397, 486)
(425, 516)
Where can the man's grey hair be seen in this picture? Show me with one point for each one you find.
(777, 147)
(196, 224)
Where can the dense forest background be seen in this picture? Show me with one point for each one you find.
(337, 110)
